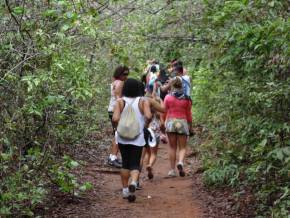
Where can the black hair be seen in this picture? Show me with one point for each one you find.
(155, 62)
(141, 89)
(178, 69)
(120, 71)
(143, 78)
(153, 69)
(131, 88)
(178, 63)
(173, 60)
(163, 75)
(162, 66)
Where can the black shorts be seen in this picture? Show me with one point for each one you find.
(131, 156)
(111, 119)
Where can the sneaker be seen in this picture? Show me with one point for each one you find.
(119, 161)
(171, 173)
(132, 189)
(180, 169)
(150, 173)
(114, 163)
(125, 193)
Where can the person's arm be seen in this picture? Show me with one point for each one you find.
(165, 103)
(155, 89)
(118, 89)
(162, 122)
(147, 112)
(166, 87)
(156, 106)
(117, 112)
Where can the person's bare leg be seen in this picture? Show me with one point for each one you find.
(113, 160)
(182, 141)
(115, 148)
(147, 156)
(125, 174)
(152, 159)
(153, 156)
(134, 176)
(142, 162)
(133, 184)
(172, 139)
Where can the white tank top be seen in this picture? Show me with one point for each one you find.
(139, 141)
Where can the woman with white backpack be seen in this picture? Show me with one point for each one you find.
(131, 114)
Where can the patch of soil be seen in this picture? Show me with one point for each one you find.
(221, 202)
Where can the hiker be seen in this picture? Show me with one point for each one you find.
(120, 75)
(178, 70)
(150, 79)
(152, 138)
(178, 124)
(186, 80)
(162, 77)
(157, 107)
(170, 66)
(131, 139)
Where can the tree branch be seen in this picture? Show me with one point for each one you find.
(16, 21)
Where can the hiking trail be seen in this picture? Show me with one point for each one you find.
(161, 197)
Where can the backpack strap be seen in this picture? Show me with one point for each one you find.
(184, 80)
(128, 102)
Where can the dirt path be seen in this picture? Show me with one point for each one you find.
(162, 197)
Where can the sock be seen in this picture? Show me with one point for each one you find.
(180, 163)
(134, 183)
(113, 157)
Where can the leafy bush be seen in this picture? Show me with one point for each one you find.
(48, 96)
(242, 97)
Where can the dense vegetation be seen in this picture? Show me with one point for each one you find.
(56, 60)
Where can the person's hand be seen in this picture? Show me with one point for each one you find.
(191, 131)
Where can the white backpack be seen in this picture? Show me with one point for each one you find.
(128, 126)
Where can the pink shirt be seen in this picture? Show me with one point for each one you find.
(178, 108)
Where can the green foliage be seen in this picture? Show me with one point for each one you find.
(24, 188)
(21, 191)
(49, 99)
(241, 94)
(67, 182)
(215, 176)
(57, 59)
